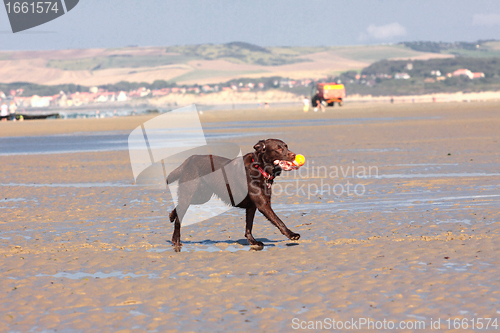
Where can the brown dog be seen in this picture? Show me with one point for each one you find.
(261, 167)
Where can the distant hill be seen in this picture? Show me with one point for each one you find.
(378, 79)
(193, 63)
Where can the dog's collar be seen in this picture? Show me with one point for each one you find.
(267, 176)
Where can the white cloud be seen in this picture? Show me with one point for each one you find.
(387, 31)
(486, 19)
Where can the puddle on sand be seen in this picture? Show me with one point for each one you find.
(372, 150)
(387, 204)
(85, 142)
(423, 164)
(209, 248)
(455, 267)
(13, 200)
(465, 221)
(97, 275)
(438, 175)
(236, 125)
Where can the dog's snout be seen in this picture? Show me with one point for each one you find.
(291, 155)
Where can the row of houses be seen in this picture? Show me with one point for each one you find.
(438, 77)
(12, 93)
(63, 99)
(434, 73)
(97, 95)
(75, 99)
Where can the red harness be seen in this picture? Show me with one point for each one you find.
(268, 178)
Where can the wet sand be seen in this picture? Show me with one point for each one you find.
(83, 249)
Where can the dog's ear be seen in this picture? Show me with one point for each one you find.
(260, 147)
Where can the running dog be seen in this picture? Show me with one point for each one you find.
(266, 162)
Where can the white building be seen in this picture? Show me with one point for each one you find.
(399, 76)
(463, 71)
(122, 97)
(101, 99)
(40, 102)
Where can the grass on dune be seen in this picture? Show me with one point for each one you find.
(119, 61)
(205, 73)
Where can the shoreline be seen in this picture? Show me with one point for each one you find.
(276, 96)
(428, 98)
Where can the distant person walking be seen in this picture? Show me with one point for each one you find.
(306, 104)
(4, 112)
(12, 111)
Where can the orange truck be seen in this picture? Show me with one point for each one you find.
(327, 94)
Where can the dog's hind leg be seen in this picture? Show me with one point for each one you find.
(176, 237)
(179, 214)
(250, 214)
(186, 193)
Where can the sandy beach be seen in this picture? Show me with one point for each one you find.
(397, 207)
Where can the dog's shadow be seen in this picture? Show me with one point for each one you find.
(243, 241)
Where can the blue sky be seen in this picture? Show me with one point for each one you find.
(118, 23)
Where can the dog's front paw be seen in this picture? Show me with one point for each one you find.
(254, 242)
(257, 244)
(293, 236)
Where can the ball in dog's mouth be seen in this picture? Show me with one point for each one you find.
(285, 165)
